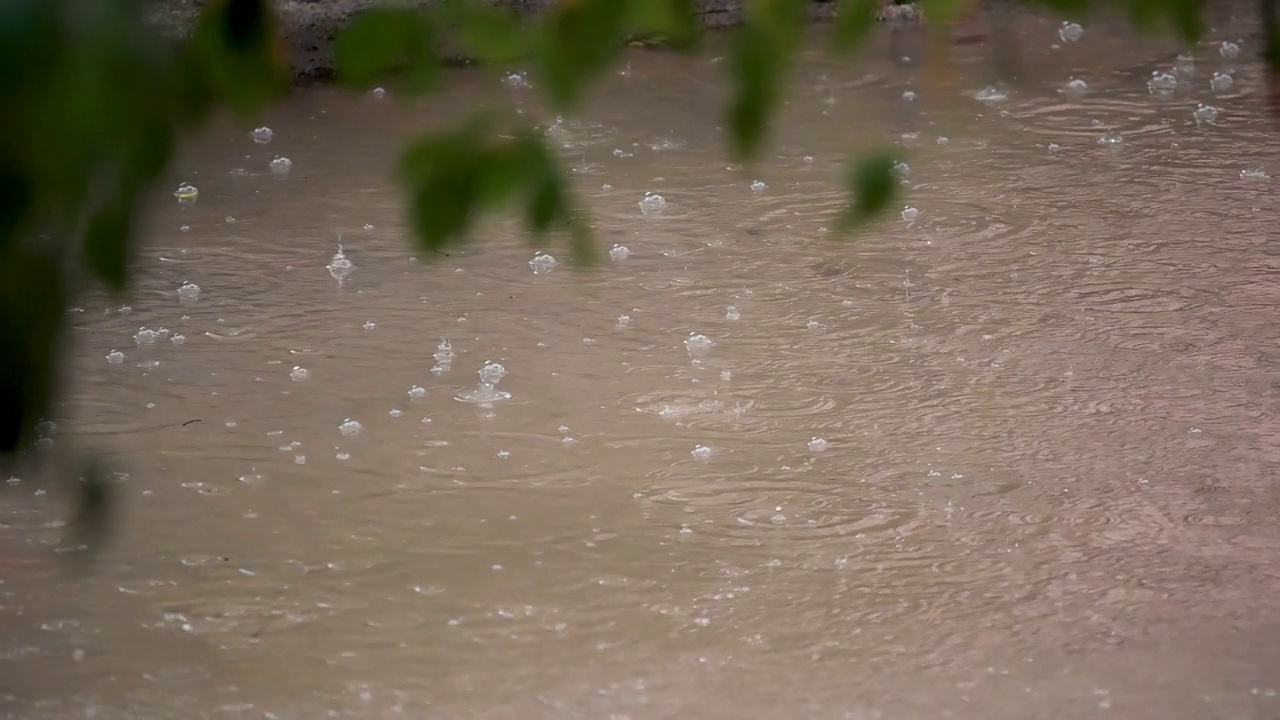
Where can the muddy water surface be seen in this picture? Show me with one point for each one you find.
(1047, 487)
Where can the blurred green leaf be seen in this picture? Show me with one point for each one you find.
(386, 42)
(760, 58)
(236, 47)
(443, 178)
(106, 244)
(576, 42)
(854, 22)
(944, 12)
(493, 35)
(873, 187)
(675, 21)
(31, 317)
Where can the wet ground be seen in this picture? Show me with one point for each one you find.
(1047, 406)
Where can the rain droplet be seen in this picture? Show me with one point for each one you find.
(340, 267)
(653, 204)
(1162, 82)
(492, 373)
(542, 263)
(186, 193)
(1111, 138)
(1206, 113)
(697, 344)
(1070, 32)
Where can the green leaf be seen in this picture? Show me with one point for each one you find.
(237, 49)
(755, 60)
(676, 21)
(443, 177)
(106, 244)
(492, 35)
(944, 12)
(873, 187)
(854, 21)
(384, 42)
(576, 42)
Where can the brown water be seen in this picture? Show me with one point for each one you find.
(1050, 404)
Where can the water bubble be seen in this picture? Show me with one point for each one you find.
(901, 170)
(350, 428)
(702, 452)
(1162, 82)
(186, 193)
(653, 204)
(943, 140)
(281, 165)
(417, 393)
(1110, 138)
(808, 159)
(606, 187)
(178, 339)
(1070, 32)
(1075, 88)
(818, 445)
(909, 214)
(1206, 113)
(990, 94)
(758, 187)
(484, 394)
(263, 135)
(378, 93)
(732, 313)
(343, 455)
(1221, 82)
(624, 320)
(492, 372)
(619, 252)
(516, 80)
(1254, 173)
(369, 325)
(115, 357)
(620, 153)
(1054, 147)
(299, 374)
(542, 263)
(908, 95)
(697, 343)
(340, 267)
(146, 336)
(1229, 49)
(189, 291)
(185, 228)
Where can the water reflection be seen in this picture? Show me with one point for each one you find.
(1012, 454)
